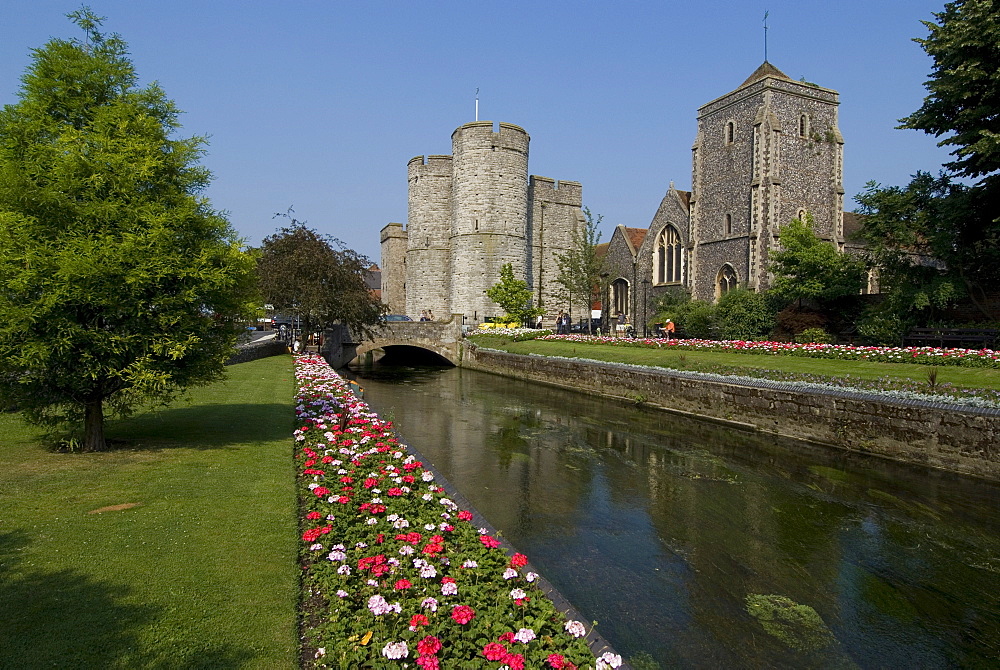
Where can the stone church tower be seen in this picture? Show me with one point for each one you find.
(470, 213)
(765, 153)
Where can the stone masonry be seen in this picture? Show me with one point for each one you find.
(469, 214)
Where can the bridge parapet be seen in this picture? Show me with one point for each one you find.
(442, 337)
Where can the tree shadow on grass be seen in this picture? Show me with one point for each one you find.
(209, 426)
(67, 619)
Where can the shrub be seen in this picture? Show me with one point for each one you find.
(696, 318)
(814, 335)
(744, 315)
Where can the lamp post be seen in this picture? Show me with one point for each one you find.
(645, 306)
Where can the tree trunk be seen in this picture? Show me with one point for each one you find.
(93, 426)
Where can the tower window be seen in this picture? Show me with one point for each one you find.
(729, 224)
(730, 132)
(804, 125)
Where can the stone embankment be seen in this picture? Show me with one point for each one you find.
(939, 435)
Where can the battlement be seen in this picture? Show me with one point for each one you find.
(429, 166)
(393, 231)
(481, 135)
(563, 192)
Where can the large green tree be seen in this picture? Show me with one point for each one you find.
(953, 217)
(118, 283)
(810, 268)
(580, 267)
(313, 275)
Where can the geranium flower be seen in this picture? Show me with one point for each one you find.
(462, 614)
(494, 651)
(525, 635)
(418, 620)
(395, 650)
(518, 561)
(575, 628)
(429, 645)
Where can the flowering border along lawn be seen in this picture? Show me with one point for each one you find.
(394, 572)
(974, 358)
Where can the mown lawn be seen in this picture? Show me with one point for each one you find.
(709, 361)
(192, 563)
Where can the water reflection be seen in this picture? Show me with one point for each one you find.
(703, 546)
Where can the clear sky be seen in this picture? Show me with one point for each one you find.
(319, 105)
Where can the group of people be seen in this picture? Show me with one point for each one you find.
(562, 323)
(426, 315)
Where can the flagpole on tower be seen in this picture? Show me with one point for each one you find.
(477, 104)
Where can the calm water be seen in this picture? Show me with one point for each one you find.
(698, 546)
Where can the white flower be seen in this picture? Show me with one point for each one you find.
(449, 588)
(526, 635)
(430, 603)
(428, 571)
(344, 570)
(320, 652)
(371, 521)
(316, 547)
(575, 628)
(531, 576)
(341, 593)
(509, 573)
(337, 556)
(427, 497)
(518, 594)
(429, 526)
(400, 523)
(609, 660)
(395, 650)
(469, 563)
(406, 550)
(427, 476)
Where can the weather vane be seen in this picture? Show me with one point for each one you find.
(765, 34)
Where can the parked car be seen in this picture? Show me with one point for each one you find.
(581, 326)
(397, 317)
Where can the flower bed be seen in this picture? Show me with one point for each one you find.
(984, 358)
(394, 572)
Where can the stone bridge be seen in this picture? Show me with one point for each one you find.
(443, 338)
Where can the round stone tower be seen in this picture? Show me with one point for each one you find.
(489, 221)
(428, 232)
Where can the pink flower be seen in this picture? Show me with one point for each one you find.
(428, 662)
(429, 645)
(556, 661)
(402, 584)
(462, 614)
(494, 651)
(489, 542)
(514, 661)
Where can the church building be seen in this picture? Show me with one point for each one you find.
(765, 153)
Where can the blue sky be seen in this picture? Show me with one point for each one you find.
(319, 105)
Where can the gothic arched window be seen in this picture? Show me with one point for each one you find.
(668, 257)
(619, 297)
(725, 281)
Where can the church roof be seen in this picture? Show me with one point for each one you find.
(765, 70)
(636, 236)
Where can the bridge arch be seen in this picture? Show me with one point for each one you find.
(442, 338)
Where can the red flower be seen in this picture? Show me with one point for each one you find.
(507, 637)
(313, 515)
(417, 619)
(404, 584)
(428, 663)
(494, 651)
(394, 491)
(556, 661)
(462, 614)
(343, 500)
(490, 542)
(429, 645)
(518, 561)
(514, 661)
(321, 491)
(370, 482)
(465, 515)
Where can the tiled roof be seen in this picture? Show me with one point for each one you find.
(765, 70)
(636, 236)
(601, 249)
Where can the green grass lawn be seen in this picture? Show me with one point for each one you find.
(708, 361)
(193, 563)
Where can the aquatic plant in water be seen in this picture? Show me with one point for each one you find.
(798, 626)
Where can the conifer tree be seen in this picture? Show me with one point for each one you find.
(119, 284)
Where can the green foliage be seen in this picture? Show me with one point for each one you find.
(809, 268)
(744, 315)
(579, 267)
(696, 318)
(798, 626)
(954, 223)
(814, 335)
(964, 86)
(315, 276)
(882, 325)
(513, 296)
(118, 282)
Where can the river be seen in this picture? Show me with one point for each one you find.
(695, 545)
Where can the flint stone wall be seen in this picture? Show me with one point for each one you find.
(935, 435)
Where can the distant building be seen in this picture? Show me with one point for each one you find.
(765, 153)
(469, 214)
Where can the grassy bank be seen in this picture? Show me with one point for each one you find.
(175, 551)
(769, 366)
